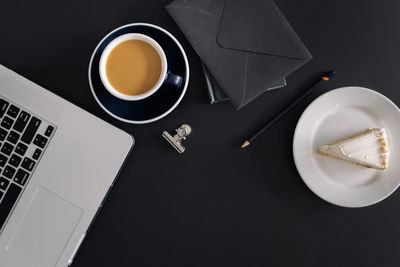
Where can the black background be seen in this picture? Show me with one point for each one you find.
(218, 205)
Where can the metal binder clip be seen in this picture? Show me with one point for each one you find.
(181, 134)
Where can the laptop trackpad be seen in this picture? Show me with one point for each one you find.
(45, 228)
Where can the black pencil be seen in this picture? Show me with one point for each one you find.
(324, 78)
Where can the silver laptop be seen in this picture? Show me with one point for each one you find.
(57, 165)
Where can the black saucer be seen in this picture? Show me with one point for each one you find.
(159, 104)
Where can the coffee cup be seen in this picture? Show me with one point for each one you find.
(110, 81)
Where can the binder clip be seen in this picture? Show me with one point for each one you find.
(181, 134)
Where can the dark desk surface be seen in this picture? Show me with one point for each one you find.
(217, 205)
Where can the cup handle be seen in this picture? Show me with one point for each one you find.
(174, 79)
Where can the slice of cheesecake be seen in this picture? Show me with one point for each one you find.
(369, 149)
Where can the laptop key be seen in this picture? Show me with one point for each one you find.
(3, 160)
(28, 164)
(3, 107)
(49, 130)
(13, 111)
(37, 153)
(9, 172)
(21, 149)
(31, 130)
(15, 160)
(7, 148)
(21, 177)
(3, 183)
(13, 137)
(40, 141)
(21, 122)
(8, 202)
(3, 134)
(7, 122)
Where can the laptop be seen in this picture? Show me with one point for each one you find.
(57, 164)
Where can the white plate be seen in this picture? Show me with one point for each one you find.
(335, 115)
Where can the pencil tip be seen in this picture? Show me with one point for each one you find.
(246, 143)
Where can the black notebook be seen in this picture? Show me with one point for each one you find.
(248, 46)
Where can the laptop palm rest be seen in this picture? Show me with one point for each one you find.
(45, 228)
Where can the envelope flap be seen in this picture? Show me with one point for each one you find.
(258, 26)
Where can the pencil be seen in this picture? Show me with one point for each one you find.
(324, 78)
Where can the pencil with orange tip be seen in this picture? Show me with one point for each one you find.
(324, 78)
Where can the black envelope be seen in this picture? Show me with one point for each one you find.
(247, 45)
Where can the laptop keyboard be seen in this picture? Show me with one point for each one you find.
(23, 140)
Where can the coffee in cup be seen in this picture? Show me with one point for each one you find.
(133, 66)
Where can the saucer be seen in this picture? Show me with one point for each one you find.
(336, 115)
(159, 104)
